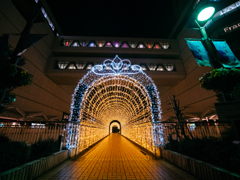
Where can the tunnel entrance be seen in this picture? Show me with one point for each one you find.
(115, 129)
(115, 123)
(121, 91)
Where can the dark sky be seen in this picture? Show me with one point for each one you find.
(125, 18)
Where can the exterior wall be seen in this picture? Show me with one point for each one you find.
(43, 94)
(188, 91)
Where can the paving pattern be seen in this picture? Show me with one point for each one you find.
(115, 158)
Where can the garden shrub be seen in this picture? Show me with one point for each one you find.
(12, 153)
(44, 148)
(219, 152)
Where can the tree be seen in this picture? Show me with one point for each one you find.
(11, 76)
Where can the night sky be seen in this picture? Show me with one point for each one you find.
(105, 18)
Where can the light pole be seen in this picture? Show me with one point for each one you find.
(205, 15)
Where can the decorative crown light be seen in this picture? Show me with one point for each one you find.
(116, 66)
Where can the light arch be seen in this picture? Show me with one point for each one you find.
(117, 90)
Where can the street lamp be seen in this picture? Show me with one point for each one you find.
(204, 15)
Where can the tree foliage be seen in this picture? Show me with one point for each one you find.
(223, 80)
(12, 76)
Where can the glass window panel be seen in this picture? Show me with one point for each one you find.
(133, 44)
(143, 67)
(89, 66)
(149, 45)
(75, 44)
(108, 44)
(169, 67)
(152, 67)
(160, 68)
(124, 45)
(117, 44)
(83, 43)
(141, 46)
(164, 45)
(100, 43)
(62, 65)
(67, 42)
(71, 66)
(92, 44)
(157, 46)
(80, 65)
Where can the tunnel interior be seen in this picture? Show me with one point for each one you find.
(116, 97)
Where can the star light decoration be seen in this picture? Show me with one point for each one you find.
(117, 90)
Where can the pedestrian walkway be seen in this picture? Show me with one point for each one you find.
(115, 158)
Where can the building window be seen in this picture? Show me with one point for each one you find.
(75, 44)
(149, 45)
(133, 44)
(169, 67)
(124, 45)
(80, 65)
(62, 65)
(157, 46)
(67, 42)
(92, 44)
(152, 67)
(83, 43)
(117, 44)
(141, 46)
(100, 43)
(143, 67)
(108, 44)
(89, 66)
(71, 66)
(160, 68)
(165, 45)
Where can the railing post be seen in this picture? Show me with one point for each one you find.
(38, 132)
(60, 141)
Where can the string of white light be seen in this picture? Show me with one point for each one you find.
(119, 91)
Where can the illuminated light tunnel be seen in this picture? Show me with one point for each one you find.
(116, 90)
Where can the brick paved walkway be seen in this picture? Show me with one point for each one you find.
(115, 158)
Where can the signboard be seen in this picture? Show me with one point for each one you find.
(233, 7)
(65, 116)
(199, 52)
(231, 28)
(227, 58)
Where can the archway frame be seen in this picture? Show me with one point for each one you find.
(114, 68)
